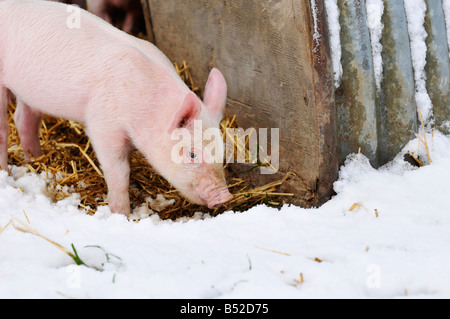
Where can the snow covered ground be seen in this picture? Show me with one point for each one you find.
(385, 234)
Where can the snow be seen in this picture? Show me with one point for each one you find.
(335, 39)
(385, 234)
(375, 9)
(316, 34)
(415, 13)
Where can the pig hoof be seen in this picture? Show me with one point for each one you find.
(120, 210)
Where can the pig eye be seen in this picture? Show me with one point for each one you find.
(192, 155)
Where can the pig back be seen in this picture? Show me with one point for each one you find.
(50, 64)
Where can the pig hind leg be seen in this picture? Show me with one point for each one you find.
(4, 130)
(129, 22)
(27, 122)
(113, 151)
(99, 8)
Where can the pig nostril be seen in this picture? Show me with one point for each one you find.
(222, 202)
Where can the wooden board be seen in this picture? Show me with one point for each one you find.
(275, 57)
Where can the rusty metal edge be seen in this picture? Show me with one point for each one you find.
(324, 104)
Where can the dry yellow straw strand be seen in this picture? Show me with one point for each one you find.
(424, 135)
(32, 231)
(274, 251)
(99, 172)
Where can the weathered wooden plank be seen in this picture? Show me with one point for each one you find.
(278, 73)
(324, 103)
(398, 110)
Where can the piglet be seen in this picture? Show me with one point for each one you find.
(106, 9)
(124, 90)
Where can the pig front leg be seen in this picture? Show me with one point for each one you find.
(28, 121)
(113, 151)
(4, 129)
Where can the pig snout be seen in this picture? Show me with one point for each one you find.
(218, 199)
(213, 195)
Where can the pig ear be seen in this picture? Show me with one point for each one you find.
(186, 113)
(215, 96)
